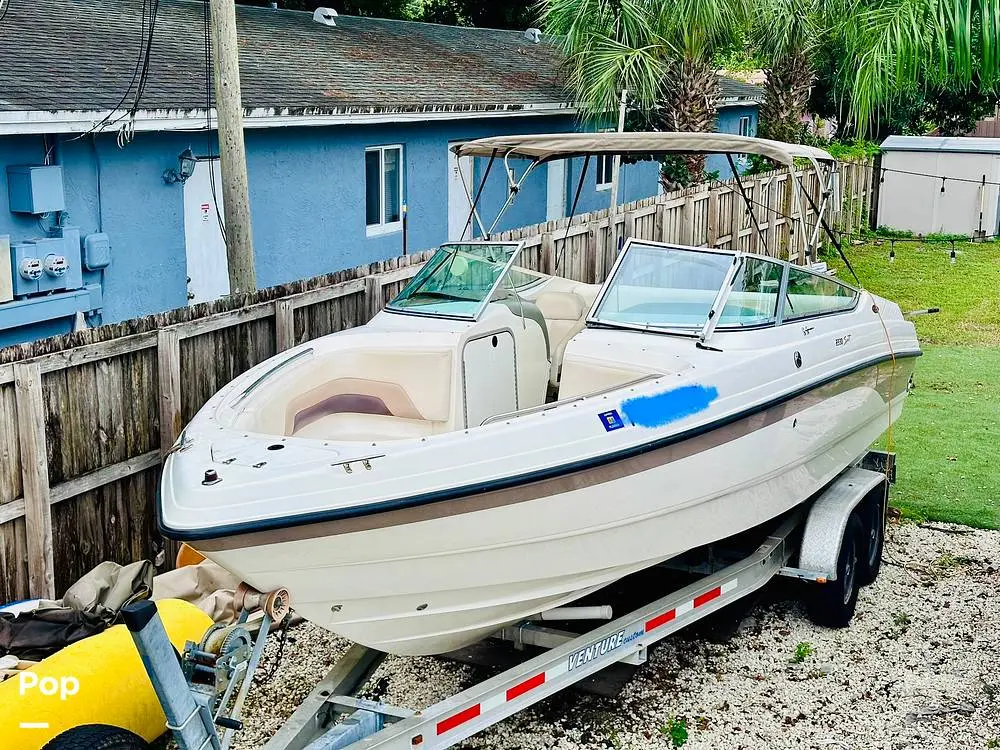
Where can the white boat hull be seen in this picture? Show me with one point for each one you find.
(441, 576)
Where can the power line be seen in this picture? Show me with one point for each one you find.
(140, 74)
(941, 177)
(207, 18)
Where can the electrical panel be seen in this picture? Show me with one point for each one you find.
(35, 189)
(6, 277)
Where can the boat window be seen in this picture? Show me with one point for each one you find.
(663, 287)
(456, 281)
(811, 294)
(753, 300)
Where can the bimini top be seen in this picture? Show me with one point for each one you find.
(543, 148)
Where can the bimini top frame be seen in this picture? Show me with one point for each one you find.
(544, 148)
(540, 149)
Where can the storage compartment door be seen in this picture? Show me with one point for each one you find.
(490, 376)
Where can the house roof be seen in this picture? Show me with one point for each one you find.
(731, 88)
(63, 59)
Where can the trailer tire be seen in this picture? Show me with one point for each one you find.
(97, 737)
(873, 522)
(832, 604)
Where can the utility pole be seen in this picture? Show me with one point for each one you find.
(232, 150)
(616, 164)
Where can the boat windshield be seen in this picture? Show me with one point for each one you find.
(674, 288)
(458, 280)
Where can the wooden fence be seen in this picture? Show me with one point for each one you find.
(86, 418)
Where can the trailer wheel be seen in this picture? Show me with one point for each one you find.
(97, 737)
(832, 604)
(873, 522)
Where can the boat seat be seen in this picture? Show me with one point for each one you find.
(565, 314)
(368, 427)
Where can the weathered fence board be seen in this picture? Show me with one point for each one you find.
(85, 418)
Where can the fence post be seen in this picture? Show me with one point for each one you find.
(687, 220)
(739, 213)
(660, 223)
(874, 191)
(600, 256)
(168, 356)
(771, 248)
(373, 295)
(548, 258)
(35, 475)
(284, 325)
(713, 217)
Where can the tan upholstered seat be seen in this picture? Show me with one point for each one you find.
(564, 314)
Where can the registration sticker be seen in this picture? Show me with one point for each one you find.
(611, 420)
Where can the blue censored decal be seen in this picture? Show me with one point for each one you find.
(669, 406)
(611, 420)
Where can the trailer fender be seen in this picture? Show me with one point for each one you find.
(828, 516)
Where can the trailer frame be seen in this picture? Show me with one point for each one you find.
(333, 718)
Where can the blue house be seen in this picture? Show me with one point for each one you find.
(110, 197)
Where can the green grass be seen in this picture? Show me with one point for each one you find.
(947, 437)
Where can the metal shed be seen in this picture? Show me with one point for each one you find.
(934, 184)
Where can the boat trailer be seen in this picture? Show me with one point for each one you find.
(202, 693)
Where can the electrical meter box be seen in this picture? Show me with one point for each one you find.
(35, 189)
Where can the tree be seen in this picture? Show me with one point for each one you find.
(934, 45)
(785, 34)
(661, 51)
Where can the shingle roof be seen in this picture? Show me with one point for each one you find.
(79, 55)
(733, 89)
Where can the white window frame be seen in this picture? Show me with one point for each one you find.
(740, 129)
(610, 161)
(383, 227)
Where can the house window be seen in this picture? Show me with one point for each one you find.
(605, 171)
(745, 125)
(383, 189)
(605, 167)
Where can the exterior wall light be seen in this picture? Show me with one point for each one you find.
(186, 164)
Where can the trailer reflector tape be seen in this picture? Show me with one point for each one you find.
(660, 620)
(492, 702)
(460, 718)
(524, 687)
(708, 596)
(577, 659)
(682, 609)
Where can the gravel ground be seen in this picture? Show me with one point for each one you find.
(918, 668)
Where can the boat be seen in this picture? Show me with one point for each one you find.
(499, 442)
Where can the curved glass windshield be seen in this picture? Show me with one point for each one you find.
(457, 281)
(663, 287)
(675, 288)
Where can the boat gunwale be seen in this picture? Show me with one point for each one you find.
(335, 514)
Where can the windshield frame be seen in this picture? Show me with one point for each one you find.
(691, 332)
(518, 246)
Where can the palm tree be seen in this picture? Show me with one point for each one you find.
(784, 34)
(660, 50)
(896, 44)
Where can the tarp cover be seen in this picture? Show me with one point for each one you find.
(553, 146)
